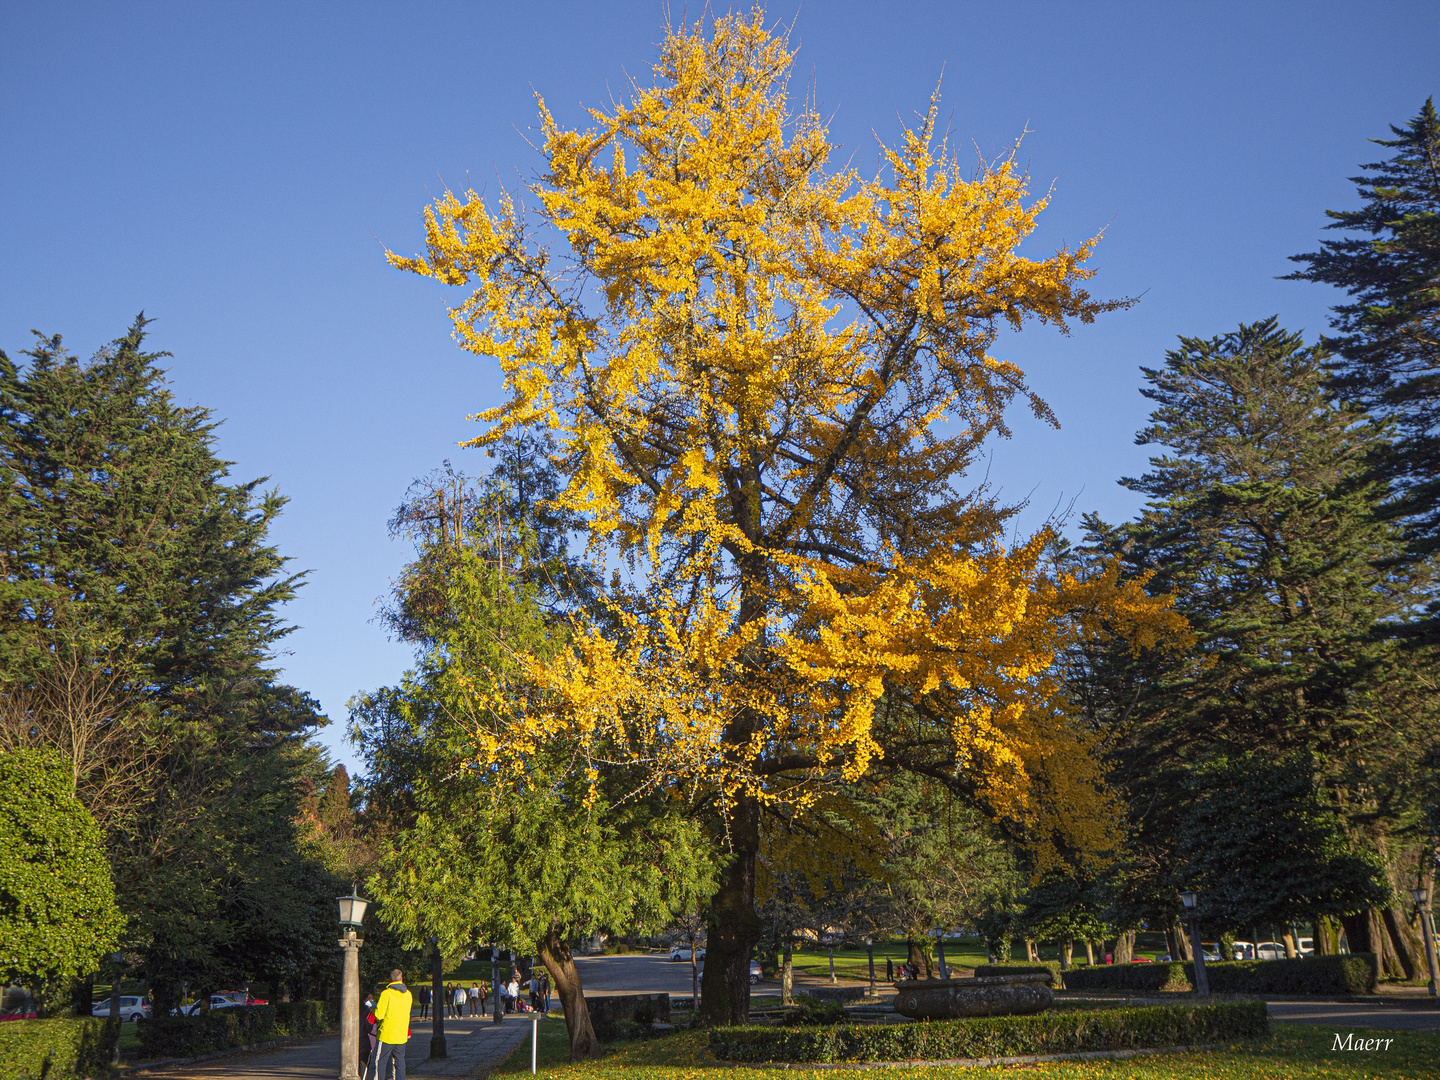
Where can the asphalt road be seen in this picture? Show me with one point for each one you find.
(636, 974)
(1342, 1016)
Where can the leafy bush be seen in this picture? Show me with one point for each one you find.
(1150, 977)
(1059, 1032)
(300, 1017)
(56, 1049)
(812, 1010)
(1352, 974)
(990, 971)
(219, 1029)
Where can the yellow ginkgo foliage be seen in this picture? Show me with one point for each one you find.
(768, 377)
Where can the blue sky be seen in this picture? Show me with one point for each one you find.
(236, 171)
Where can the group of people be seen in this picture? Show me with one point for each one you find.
(385, 1018)
(457, 997)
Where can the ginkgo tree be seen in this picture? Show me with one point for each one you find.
(767, 378)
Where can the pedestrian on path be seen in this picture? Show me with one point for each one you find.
(474, 999)
(545, 990)
(424, 999)
(392, 1012)
(459, 1000)
(513, 991)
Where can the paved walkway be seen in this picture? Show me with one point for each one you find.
(473, 1043)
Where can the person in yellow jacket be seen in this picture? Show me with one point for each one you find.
(392, 1015)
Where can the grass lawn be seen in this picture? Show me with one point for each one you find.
(1293, 1052)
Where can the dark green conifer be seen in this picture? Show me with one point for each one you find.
(1388, 335)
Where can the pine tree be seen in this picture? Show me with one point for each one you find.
(1270, 529)
(1388, 335)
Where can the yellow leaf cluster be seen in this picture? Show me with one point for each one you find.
(767, 378)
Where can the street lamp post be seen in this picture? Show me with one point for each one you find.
(1192, 916)
(1427, 929)
(116, 959)
(352, 916)
(437, 1000)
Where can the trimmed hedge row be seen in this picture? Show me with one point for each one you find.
(987, 971)
(1351, 974)
(1150, 977)
(59, 1049)
(218, 1029)
(301, 1017)
(1058, 1032)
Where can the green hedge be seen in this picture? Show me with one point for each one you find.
(219, 1029)
(1352, 974)
(1150, 977)
(61, 1049)
(987, 971)
(301, 1017)
(1056, 1032)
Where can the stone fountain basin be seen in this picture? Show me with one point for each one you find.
(947, 999)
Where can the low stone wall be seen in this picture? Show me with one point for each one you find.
(605, 1012)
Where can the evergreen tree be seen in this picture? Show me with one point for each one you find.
(1388, 335)
(1269, 528)
(138, 615)
(533, 854)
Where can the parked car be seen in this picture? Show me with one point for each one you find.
(131, 1008)
(681, 952)
(756, 972)
(1269, 950)
(217, 1001)
(1305, 946)
(1243, 950)
(240, 997)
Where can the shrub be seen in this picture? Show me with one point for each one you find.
(1352, 974)
(1150, 977)
(219, 1029)
(300, 1017)
(56, 1049)
(1065, 1031)
(812, 1010)
(989, 971)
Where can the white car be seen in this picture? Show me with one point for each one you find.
(756, 971)
(680, 952)
(131, 1009)
(1270, 950)
(217, 1001)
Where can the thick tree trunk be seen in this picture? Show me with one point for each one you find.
(1409, 949)
(1181, 941)
(734, 926)
(1288, 940)
(787, 978)
(919, 959)
(1089, 952)
(1125, 947)
(1032, 955)
(1067, 955)
(555, 952)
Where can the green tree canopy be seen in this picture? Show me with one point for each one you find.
(1388, 334)
(534, 856)
(57, 903)
(1270, 528)
(139, 615)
